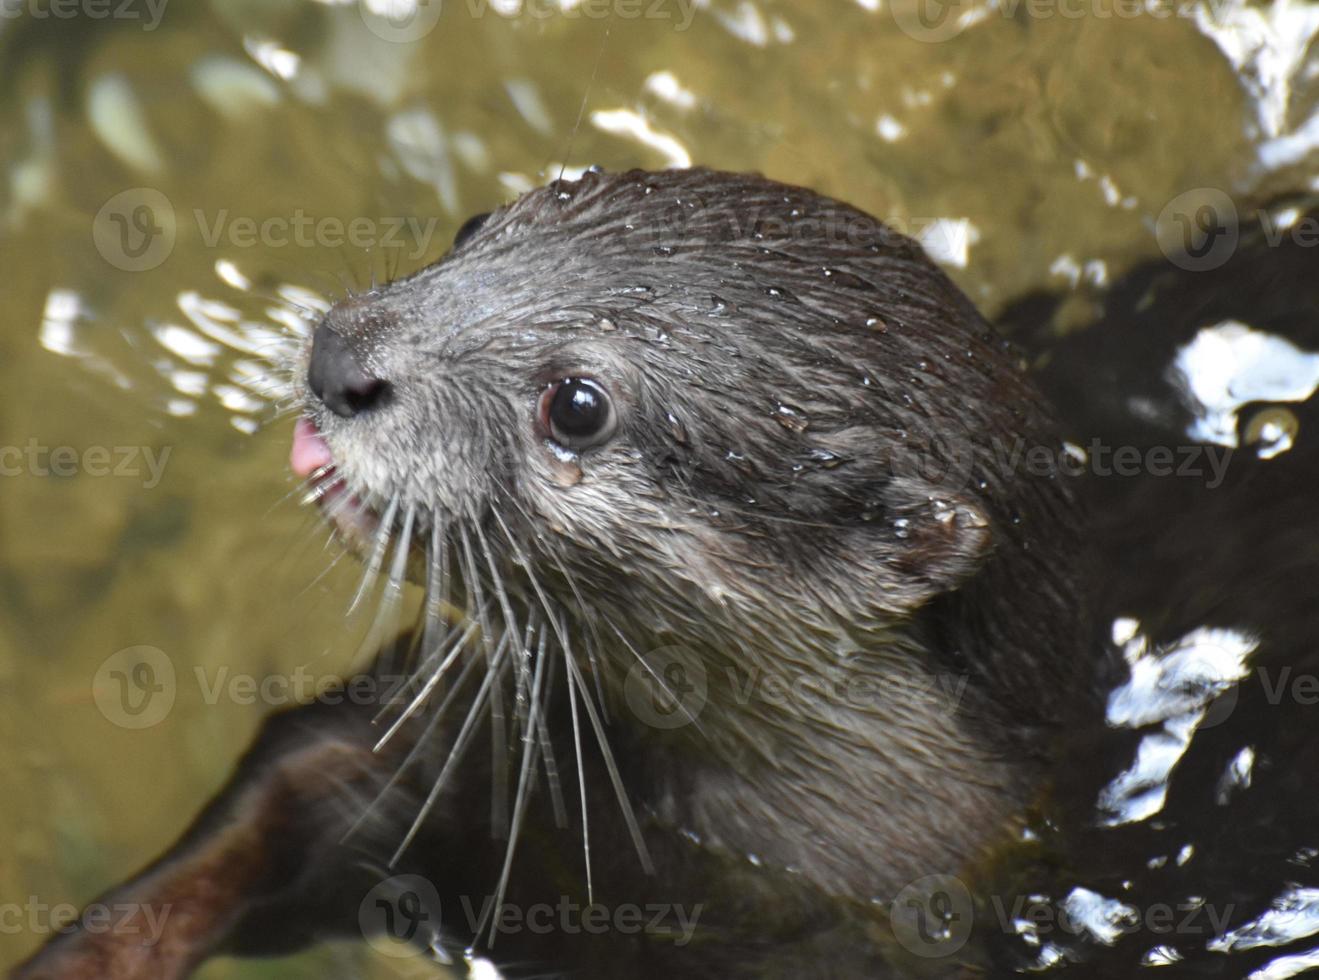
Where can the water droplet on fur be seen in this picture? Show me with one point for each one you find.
(677, 430)
(876, 324)
(791, 418)
(826, 459)
(846, 279)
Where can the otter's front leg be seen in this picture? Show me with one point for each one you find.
(264, 869)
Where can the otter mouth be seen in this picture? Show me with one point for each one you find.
(312, 461)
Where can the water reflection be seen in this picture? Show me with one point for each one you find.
(1015, 150)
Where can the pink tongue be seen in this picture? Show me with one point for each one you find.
(309, 452)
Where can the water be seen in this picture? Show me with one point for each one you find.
(232, 144)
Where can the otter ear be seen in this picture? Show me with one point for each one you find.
(939, 537)
(907, 505)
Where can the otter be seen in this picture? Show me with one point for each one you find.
(732, 604)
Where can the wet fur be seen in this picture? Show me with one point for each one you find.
(806, 481)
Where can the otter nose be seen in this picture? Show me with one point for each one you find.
(338, 378)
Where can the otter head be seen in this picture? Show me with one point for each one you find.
(710, 409)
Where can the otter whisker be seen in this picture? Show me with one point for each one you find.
(560, 811)
(418, 747)
(420, 698)
(385, 624)
(554, 620)
(524, 783)
(498, 736)
(547, 748)
(675, 699)
(589, 617)
(310, 490)
(383, 533)
(459, 746)
(521, 715)
(437, 580)
(324, 572)
(592, 658)
(523, 667)
(581, 785)
(611, 765)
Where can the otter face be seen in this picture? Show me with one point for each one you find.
(696, 390)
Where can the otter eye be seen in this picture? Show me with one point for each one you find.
(576, 413)
(469, 228)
